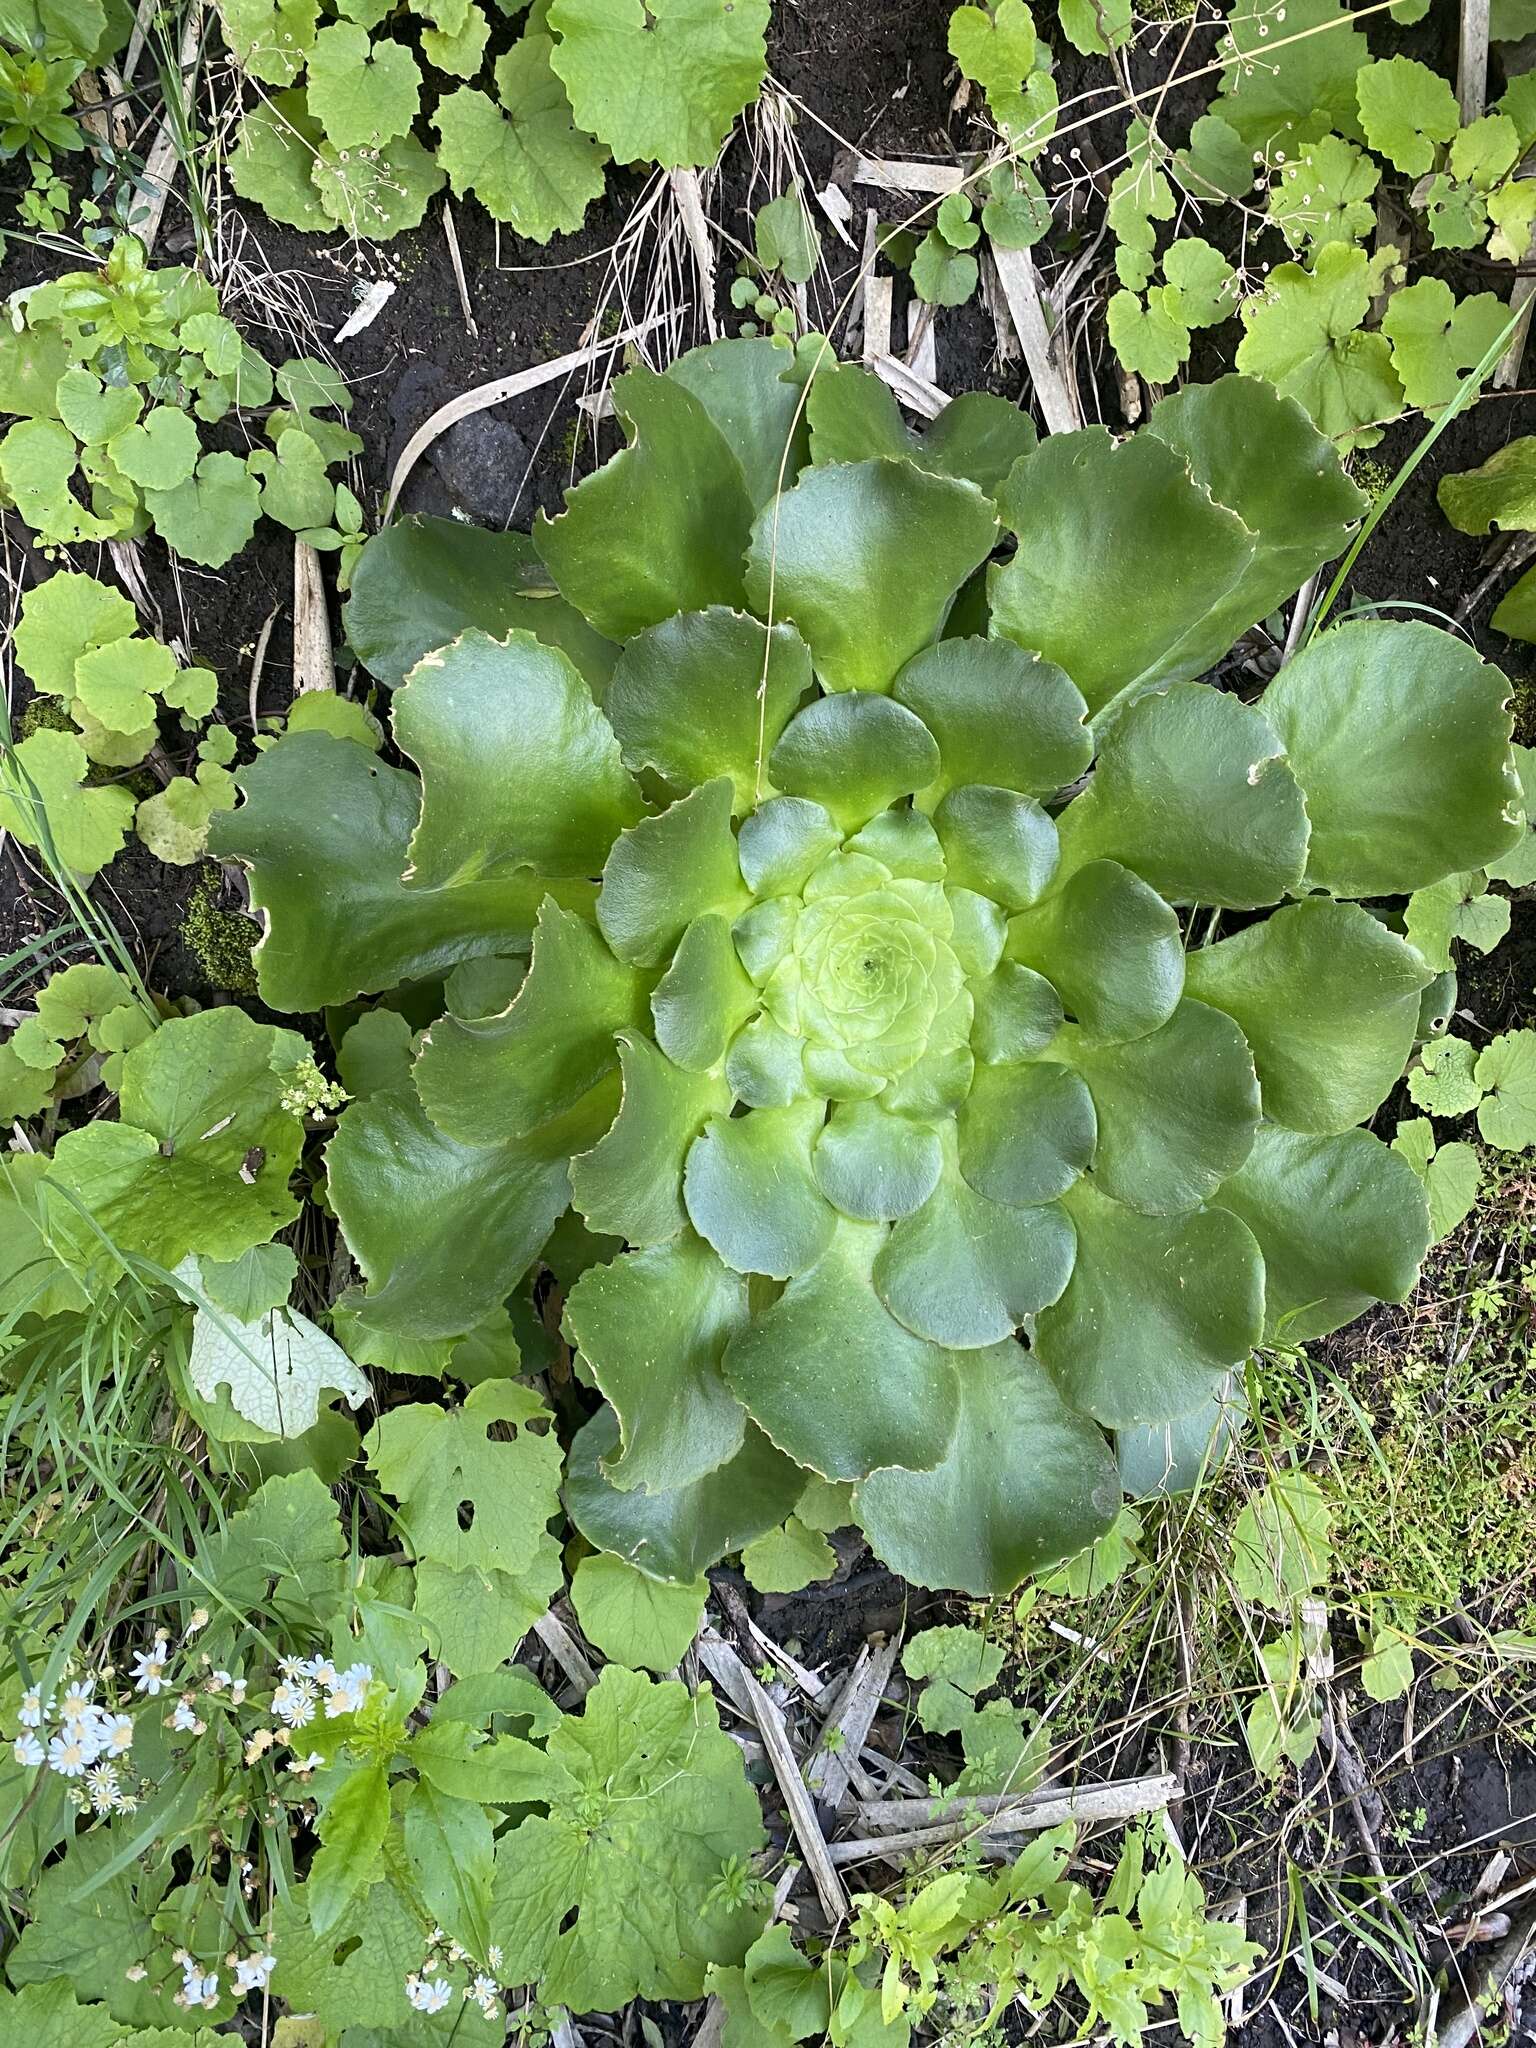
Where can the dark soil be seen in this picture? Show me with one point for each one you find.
(877, 78)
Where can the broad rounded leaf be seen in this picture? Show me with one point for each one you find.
(678, 1535)
(831, 1375)
(465, 1498)
(630, 1184)
(707, 694)
(1191, 791)
(521, 154)
(666, 870)
(652, 1328)
(854, 753)
(750, 390)
(316, 805)
(1197, 1283)
(1024, 1483)
(964, 1271)
(1341, 1221)
(518, 766)
(874, 1165)
(443, 1231)
(997, 844)
(663, 527)
(1399, 737)
(633, 1619)
(660, 81)
(422, 582)
(275, 1367)
(1328, 999)
(704, 997)
(865, 557)
(1026, 1132)
(1177, 1110)
(1110, 946)
(752, 1192)
(1000, 715)
(486, 1079)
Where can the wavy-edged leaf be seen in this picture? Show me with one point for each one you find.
(521, 154)
(630, 1184)
(1110, 946)
(1000, 715)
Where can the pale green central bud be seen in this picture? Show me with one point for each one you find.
(859, 968)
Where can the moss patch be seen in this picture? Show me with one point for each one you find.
(219, 940)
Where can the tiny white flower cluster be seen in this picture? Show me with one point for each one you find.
(82, 1747)
(309, 1093)
(429, 1992)
(198, 1986)
(305, 1677)
(252, 1973)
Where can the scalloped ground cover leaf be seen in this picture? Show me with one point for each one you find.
(879, 1043)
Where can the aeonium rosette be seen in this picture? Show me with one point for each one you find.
(837, 922)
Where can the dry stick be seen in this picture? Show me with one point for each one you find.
(998, 1833)
(829, 1769)
(1507, 375)
(1512, 1956)
(916, 393)
(690, 207)
(1119, 1799)
(456, 259)
(313, 667)
(1514, 555)
(887, 176)
(259, 657)
(499, 389)
(566, 1651)
(1472, 60)
(720, 1658)
(1021, 288)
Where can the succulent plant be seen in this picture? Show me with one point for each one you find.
(833, 914)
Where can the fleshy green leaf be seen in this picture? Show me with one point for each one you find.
(1328, 999)
(1193, 793)
(1166, 1141)
(707, 694)
(1502, 493)
(1026, 1132)
(831, 1375)
(319, 805)
(1000, 716)
(680, 1534)
(666, 871)
(1111, 947)
(1400, 741)
(1025, 1481)
(1198, 1285)
(422, 582)
(964, 1271)
(443, 1231)
(661, 528)
(519, 768)
(652, 1328)
(750, 390)
(752, 1192)
(1320, 1276)
(865, 558)
(631, 1183)
(854, 753)
(874, 1165)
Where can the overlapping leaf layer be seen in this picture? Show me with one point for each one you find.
(885, 942)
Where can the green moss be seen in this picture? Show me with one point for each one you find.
(1370, 475)
(1522, 704)
(219, 940)
(43, 714)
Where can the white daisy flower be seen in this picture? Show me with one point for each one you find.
(184, 1716)
(303, 1765)
(252, 1972)
(31, 1714)
(102, 1783)
(428, 1994)
(149, 1668)
(76, 1703)
(66, 1755)
(349, 1691)
(118, 1733)
(322, 1671)
(294, 1702)
(237, 1693)
(27, 1749)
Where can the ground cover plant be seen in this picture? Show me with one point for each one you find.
(830, 1340)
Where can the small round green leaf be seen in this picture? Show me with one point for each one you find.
(752, 1193)
(1197, 1283)
(1399, 737)
(875, 1166)
(1000, 714)
(1341, 1221)
(997, 843)
(854, 754)
(1018, 1013)
(1025, 1482)
(834, 1379)
(666, 870)
(704, 998)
